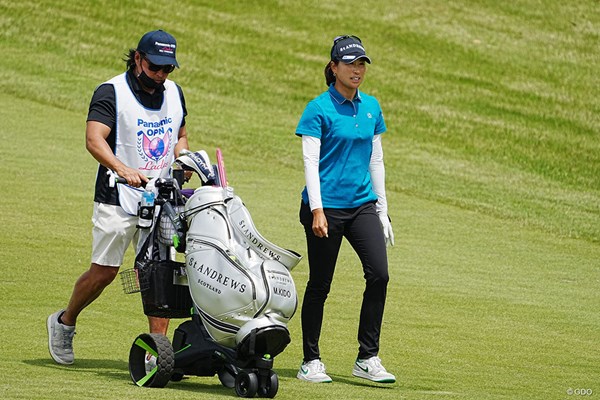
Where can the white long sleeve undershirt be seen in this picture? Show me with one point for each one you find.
(377, 170)
(311, 151)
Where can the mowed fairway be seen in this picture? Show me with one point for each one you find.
(493, 171)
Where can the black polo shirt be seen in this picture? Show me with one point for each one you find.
(103, 109)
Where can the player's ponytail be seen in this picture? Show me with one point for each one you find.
(329, 75)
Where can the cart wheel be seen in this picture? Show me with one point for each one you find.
(246, 384)
(271, 387)
(158, 346)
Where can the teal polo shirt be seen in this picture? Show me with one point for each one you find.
(346, 130)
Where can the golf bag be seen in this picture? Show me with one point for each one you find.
(235, 285)
(238, 280)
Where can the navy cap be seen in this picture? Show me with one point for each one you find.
(159, 48)
(348, 49)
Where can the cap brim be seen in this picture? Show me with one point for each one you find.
(162, 60)
(347, 60)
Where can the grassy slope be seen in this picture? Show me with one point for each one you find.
(487, 104)
(492, 157)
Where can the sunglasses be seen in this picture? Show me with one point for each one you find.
(167, 69)
(338, 38)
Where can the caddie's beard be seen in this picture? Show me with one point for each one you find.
(148, 82)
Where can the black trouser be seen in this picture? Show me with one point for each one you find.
(362, 228)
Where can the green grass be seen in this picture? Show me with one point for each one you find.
(493, 170)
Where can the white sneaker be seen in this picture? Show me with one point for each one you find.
(313, 371)
(150, 362)
(60, 339)
(372, 370)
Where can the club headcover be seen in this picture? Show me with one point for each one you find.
(198, 162)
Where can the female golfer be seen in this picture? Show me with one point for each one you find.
(344, 197)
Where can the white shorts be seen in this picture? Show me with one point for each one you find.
(114, 230)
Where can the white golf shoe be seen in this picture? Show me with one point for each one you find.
(313, 371)
(372, 370)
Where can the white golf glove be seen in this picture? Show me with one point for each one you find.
(387, 229)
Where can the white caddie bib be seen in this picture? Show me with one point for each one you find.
(145, 138)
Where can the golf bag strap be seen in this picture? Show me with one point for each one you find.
(242, 222)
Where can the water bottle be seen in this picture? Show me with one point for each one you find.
(146, 209)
